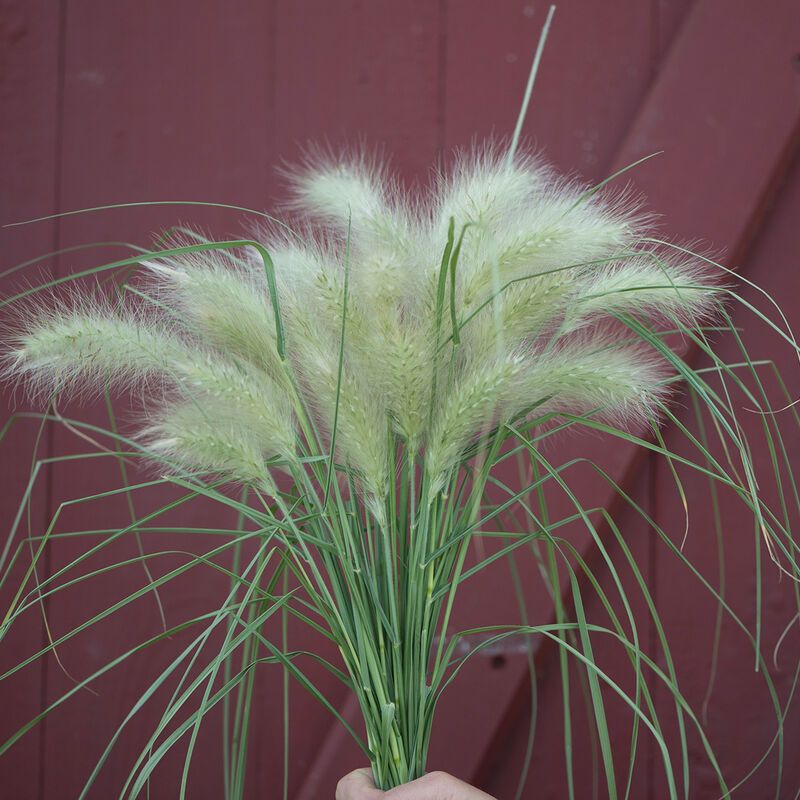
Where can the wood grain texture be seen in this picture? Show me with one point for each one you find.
(600, 57)
(29, 137)
(124, 101)
(736, 154)
(688, 610)
(161, 102)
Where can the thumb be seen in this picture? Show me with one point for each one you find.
(358, 785)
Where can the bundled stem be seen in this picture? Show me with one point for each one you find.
(366, 382)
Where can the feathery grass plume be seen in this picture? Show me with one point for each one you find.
(354, 194)
(644, 283)
(482, 187)
(357, 198)
(536, 257)
(225, 300)
(403, 361)
(523, 220)
(188, 437)
(341, 396)
(622, 384)
(562, 227)
(86, 346)
(420, 332)
(390, 337)
(232, 395)
(522, 312)
(311, 286)
(465, 412)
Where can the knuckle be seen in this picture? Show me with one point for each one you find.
(443, 786)
(438, 780)
(341, 788)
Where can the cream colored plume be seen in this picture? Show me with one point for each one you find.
(414, 321)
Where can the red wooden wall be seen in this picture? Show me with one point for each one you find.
(106, 102)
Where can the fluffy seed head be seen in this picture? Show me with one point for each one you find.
(187, 437)
(382, 344)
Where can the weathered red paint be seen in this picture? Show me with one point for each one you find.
(129, 101)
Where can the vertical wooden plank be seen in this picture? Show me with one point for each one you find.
(162, 102)
(166, 102)
(357, 73)
(130, 137)
(595, 68)
(29, 98)
(501, 771)
(753, 150)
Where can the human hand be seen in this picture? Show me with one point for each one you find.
(358, 785)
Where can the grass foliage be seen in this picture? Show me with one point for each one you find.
(369, 377)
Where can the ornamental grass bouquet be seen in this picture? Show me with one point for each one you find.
(365, 373)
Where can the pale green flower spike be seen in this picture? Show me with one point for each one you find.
(435, 352)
